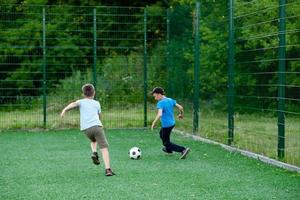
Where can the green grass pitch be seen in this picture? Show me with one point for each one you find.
(57, 165)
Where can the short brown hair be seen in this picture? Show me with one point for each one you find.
(88, 90)
(158, 90)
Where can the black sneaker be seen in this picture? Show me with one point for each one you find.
(166, 151)
(108, 172)
(184, 153)
(95, 158)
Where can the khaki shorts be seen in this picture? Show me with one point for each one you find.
(96, 133)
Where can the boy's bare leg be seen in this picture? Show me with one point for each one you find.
(95, 154)
(94, 146)
(105, 156)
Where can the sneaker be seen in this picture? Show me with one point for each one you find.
(108, 172)
(166, 151)
(95, 158)
(184, 153)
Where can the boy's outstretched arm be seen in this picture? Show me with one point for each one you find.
(159, 114)
(69, 107)
(180, 108)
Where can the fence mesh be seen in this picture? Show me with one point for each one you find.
(259, 79)
(67, 46)
(49, 52)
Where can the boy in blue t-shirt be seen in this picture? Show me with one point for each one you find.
(91, 125)
(165, 112)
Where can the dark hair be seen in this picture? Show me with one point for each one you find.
(158, 90)
(88, 90)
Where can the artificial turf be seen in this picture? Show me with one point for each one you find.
(57, 165)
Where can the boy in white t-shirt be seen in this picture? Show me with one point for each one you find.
(91, 125)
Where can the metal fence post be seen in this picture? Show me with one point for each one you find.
(94, 48)
(145, 67)
(281, 80)
(230, 97)
(169, 65)
(196, 72)
(44, 71)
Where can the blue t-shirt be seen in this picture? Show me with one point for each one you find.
(89, 113)
(167, 118)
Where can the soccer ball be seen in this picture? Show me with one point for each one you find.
(135, 153)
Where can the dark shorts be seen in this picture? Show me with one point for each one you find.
(96, 133)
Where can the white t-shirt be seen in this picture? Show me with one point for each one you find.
(89, 113)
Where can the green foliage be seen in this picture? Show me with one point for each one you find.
(69, 33)
(213, 52)
(119, 81)
(69, 89)
(257, 49)
(157, 67)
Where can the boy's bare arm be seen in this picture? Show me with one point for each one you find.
(159, 114)
(69, 107)
(180, 108)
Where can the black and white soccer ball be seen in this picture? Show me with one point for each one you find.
(135, 153)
